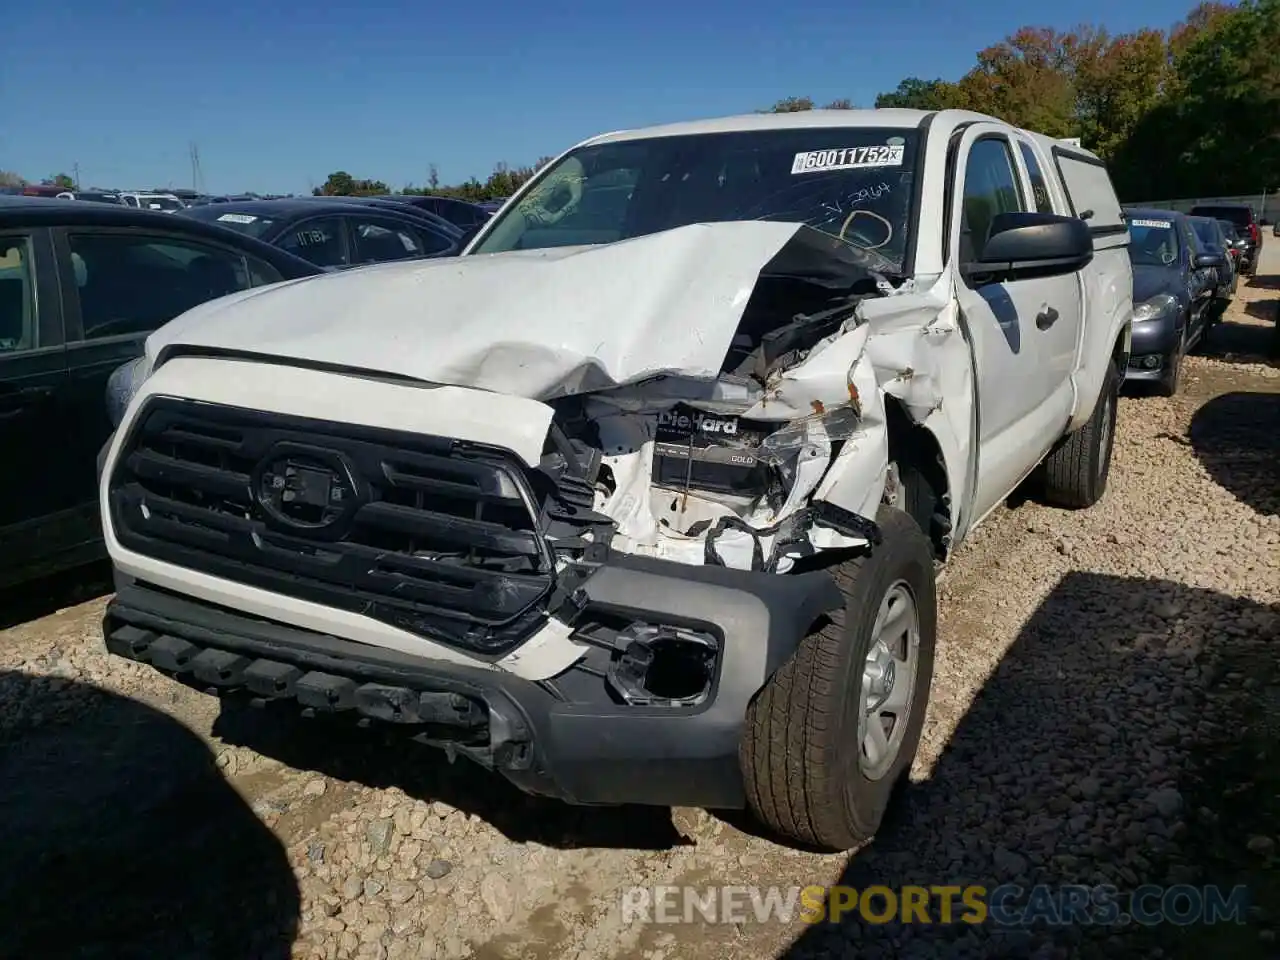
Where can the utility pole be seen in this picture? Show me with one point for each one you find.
(195, 166)
(75, 171)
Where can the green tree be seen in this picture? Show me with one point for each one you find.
(338, 184)
(1216, 130)
(342, 184)
(791, 105)
(10, 179)
(1118, 81)
(914, 93)
(800, 104)
(1025, 80)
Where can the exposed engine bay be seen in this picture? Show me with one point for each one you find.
(725, 472)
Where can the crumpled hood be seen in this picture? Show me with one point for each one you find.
(536, 324)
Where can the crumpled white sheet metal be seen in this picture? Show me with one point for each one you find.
(637, 326)
(908, 346)
(536, 324)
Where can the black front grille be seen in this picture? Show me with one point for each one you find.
(430, 534)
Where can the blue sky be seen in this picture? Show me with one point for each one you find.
(277, 96)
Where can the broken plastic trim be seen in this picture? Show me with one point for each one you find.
(838, 424)
(794, 533)
(663, 666)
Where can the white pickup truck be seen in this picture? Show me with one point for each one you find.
(640, 498)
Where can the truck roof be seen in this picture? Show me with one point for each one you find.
(800, 119)
(813, 119)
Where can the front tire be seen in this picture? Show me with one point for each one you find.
(1076, 472)
(1171, 382)
(815, 768)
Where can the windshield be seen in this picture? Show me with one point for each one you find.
(249, 224)
(1207, 231)
(159, 203)
(1153, 242)
(853, 183)
(1229, 230)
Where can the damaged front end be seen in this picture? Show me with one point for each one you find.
(782, 455)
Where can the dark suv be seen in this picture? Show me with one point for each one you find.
(1240, 214)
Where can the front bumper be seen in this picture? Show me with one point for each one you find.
(566, 737)
(1153, 344)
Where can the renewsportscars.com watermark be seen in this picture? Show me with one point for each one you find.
(1007, 905)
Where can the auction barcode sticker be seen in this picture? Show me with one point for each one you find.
(847, 158)
(1156, 224)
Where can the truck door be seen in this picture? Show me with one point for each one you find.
(1018, 327)
(1059, 343)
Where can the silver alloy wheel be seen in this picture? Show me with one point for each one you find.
(888, 681)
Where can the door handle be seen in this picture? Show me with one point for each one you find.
(1046, 318)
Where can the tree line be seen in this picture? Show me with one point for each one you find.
(501, 183)
(1192, 111)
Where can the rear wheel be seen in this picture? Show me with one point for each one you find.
(1076, 472)
(830, 735)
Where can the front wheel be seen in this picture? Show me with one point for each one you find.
(1171, 382)
(831, 734)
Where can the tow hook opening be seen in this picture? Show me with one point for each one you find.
(663, 666)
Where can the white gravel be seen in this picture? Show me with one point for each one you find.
(1079, 657)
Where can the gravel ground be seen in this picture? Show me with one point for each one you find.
(1091, 670)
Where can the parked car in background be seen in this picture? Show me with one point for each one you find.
(81, 286)
(458, 212)
(1241, 215)
(164, 202)
(1275, 230)
(1235, 243)
(391, 203)
(331, 233)
(1174, 282)
(492, 206)
(652, 515)
(1213, 239)
(93, 195)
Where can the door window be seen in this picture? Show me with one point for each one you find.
(319, 241)
(1090, 190)
(130, 284)
(380, 240)
(990, 188)
(17, 296)
(1039, 189)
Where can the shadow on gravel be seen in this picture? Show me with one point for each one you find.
(120, 838)
(1089, 758)
(1243, 341)
(383, 759)
(45, 595)
(1236, 437)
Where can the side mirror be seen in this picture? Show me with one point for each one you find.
(1023, 245)
(1202, 261)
